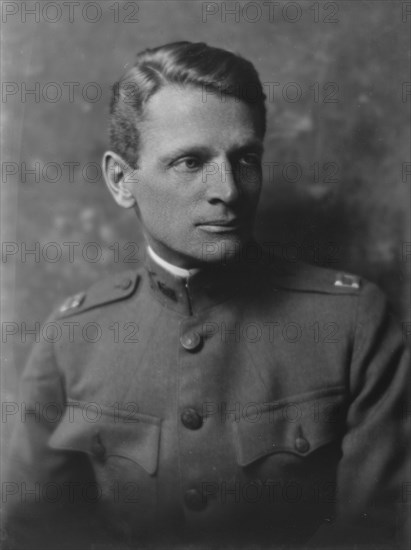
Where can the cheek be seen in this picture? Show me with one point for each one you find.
(150, 199)
(251, 180)
(164, 213)
(252, 191)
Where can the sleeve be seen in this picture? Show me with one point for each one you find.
(42, 487)
(373, 478)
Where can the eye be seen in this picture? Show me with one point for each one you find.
(187, 164)
(250, 159)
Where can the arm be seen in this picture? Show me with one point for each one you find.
(42, 486)
(374, 471)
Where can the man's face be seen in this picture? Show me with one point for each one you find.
(198, 179)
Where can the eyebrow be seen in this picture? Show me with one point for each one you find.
(198, 150)
(254, 145)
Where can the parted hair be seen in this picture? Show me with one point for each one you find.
(215, 70)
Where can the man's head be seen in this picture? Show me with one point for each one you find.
(187, 124)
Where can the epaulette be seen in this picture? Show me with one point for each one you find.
(103, 292)
(306, 277)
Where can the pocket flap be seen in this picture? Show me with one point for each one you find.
(299, 425)
(111, 434)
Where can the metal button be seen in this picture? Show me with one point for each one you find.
(194, 500)
(191, 341)
(77, 300)
(347, 280)
(191, 419)
(72, 302)
(302, 445)
(97, 448)
(124, 284)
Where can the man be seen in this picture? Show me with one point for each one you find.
(233, 400)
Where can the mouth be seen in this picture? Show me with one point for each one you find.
(221, 226)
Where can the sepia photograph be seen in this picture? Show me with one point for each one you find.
(206, 260)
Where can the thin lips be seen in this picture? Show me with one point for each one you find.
(234, 221)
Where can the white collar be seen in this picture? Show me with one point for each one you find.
(171, 268)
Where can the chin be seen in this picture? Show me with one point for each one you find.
(223, 249)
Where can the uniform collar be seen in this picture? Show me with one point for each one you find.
(198, 289)
(173, 269)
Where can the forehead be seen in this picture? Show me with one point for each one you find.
(176, 116)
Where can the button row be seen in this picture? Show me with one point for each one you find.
(191, 419)
(191, 341)
(302, 445)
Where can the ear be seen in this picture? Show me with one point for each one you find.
(118, 176)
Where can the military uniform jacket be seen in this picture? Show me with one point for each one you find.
(259, 404)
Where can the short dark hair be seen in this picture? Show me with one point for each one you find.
(179, 63)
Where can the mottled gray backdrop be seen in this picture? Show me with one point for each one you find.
(337, 188)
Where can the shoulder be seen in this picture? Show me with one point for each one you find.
(337, 293)
(303, 277)
(106, 291)
(360, 295)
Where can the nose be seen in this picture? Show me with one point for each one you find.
(221, 181)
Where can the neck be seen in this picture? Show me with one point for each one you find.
(190, 291)
(171, 268)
